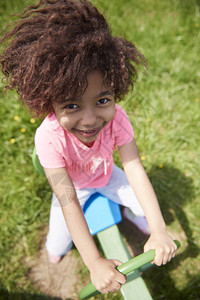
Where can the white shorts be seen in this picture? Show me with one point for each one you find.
(118, 190)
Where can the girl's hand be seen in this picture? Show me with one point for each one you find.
(105, 277)
(164, 246)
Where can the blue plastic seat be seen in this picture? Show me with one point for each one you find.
(101, 213)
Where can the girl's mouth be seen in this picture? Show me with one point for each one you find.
(88, 133)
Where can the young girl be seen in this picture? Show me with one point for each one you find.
(67, 66)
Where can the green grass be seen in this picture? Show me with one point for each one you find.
(164, 110)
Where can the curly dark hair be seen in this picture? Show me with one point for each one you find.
(55, 44)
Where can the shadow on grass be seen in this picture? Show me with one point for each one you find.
(4, 294)
(188, 7)
(197, 2)
(185, 4)
(174, 190)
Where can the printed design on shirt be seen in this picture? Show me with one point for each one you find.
(89, 167)
(96, 161)
(97, 165)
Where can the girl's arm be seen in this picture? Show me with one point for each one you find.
(159, 239)
(103, 272)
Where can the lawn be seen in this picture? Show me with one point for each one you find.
(165, 113)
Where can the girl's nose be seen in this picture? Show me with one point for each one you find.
(89, 117)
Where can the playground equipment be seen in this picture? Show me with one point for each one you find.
(102, 216)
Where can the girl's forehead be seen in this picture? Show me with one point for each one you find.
(104, 93)
(98, 81)
(96, 86)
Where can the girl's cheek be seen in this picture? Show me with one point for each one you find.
(112, 113)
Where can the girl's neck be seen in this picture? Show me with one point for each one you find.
(90, 144)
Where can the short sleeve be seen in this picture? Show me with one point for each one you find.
(47, 149)
(122, 127)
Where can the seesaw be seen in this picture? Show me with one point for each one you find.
(102, 216)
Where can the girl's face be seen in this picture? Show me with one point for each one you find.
(87, 116)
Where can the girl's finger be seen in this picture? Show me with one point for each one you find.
(163, 256)
(120, 278)
(158, 260)
(167, 255)
(116, 286)
(165, 260)
(104, 291)
(117, 262)
(173, 254)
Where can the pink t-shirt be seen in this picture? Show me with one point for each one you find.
(88, 167)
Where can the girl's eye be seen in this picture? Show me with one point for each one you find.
(71, 106)
(103, 101)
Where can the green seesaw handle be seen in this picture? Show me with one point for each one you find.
(126, 268)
